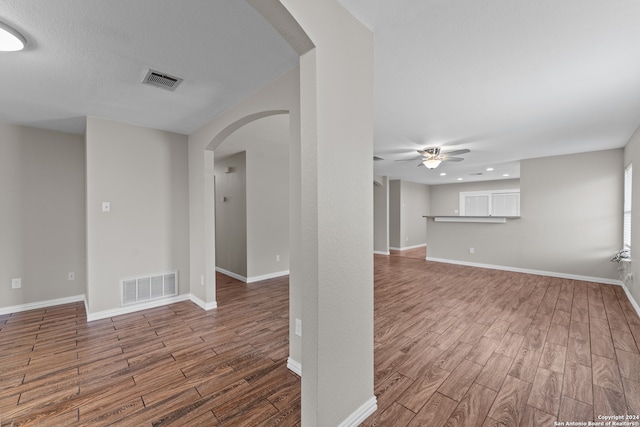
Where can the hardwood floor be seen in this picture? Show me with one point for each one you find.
(175, 365)
(454, 346)
(461, 346)
(419, 253)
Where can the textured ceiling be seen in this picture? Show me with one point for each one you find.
(88, 57)
(507, 79)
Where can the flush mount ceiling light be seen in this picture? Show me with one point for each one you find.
(10, 39)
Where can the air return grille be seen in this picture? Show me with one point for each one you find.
(161, 80)
(141, 289)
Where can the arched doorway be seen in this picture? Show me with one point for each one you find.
(251, 171)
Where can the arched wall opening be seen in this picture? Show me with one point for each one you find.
(251, 170)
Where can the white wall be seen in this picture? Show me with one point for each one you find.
(231, 214)
(337, 214)
(143, 174)
(571, 220)
(632, 155)
(42, 235)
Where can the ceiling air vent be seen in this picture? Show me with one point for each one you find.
(161, 80)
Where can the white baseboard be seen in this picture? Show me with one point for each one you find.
(41, 304)
(137, 307)
(633, 302)
(206, 306)
(381, 253)
(231, 274)
(361, 414)
(267, 276)
(406, 248)
(252, 278)
(605, 280)
(294, 366)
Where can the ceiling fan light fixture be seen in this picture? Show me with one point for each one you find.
(432, 163)
(10, 39)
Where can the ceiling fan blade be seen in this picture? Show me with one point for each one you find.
(452, 159)
(457, 152)
(409, 160)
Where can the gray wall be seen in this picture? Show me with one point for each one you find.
(267, 212)
(42, 235)
(143, 173)
(395, 213)
(408, 203)
(414, 205)
(381, 215)
(231, 215)
(571, 219)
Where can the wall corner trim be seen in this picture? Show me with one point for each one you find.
(360, 414)
(294, 366)
(206, 306)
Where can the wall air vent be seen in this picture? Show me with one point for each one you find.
(141, 289)
(161, 80)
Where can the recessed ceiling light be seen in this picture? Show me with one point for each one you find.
(460, 179)
(10, 39)
(505, 174)
(443, 174)
(489, 169)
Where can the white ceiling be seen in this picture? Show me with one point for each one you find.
(507, 79)
(88, 57)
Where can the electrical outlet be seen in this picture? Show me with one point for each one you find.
(202, 279)
(16, 283)
(106, 206)
(71, 275)
(299, 327)
(278, 258)
(472, 251)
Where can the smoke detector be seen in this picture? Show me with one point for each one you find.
(161, 80)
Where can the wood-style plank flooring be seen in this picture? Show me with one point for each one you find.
(461, 346)
(454, 346)
(174, 365)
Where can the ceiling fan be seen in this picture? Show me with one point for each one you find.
(433, 156)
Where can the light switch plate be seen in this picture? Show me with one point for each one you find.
(106, 206)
